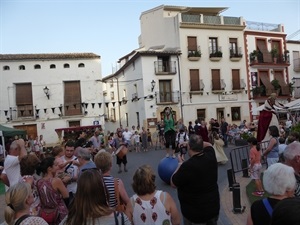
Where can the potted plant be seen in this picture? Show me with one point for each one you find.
(276, 85)
(196, 53)
(257, 90)
(253, 55)
(274, 53)
(291, 88)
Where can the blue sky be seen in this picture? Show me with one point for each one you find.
(110, 28)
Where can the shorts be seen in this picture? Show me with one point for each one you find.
(136, 144)
(256, 171)
(170, 138)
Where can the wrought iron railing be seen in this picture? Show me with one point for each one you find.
(251, 25)
(215, 52)
(235, 52)
(167, 97)
(165, 67)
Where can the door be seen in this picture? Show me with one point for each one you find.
(165, 93)
(31, 130)
(220, 114)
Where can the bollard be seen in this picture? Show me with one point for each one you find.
(245, 168)
(231, 178)
(236, 195)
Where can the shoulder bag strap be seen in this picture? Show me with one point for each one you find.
(117, 190)
(116, 218)
(21, 219)
(268, 206)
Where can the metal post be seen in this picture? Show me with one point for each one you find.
(231, 178)
(245, 167)
(236, 197)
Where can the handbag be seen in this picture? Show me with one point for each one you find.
(49, 215)
(121, 207)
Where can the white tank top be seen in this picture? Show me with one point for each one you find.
(152, 212)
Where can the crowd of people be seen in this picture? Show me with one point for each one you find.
(73, 184)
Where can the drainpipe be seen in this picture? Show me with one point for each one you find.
(179, 77)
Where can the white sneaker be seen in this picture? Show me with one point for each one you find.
(113, 154)
(167, 155)
(173, 156)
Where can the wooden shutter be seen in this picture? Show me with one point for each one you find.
(261, 44)
(194, 79)
(264, 77)
(72, 95)
(285, 90)
(236, 80)
(192, 43)
(216, 82)
(23, 94)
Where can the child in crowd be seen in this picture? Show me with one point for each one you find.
(181, 139)
(255, 166)
(281, 148)
(149, 138)
(136, 138)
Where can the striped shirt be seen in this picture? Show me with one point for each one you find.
(109, 183)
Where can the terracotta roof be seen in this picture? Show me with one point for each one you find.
(48, 56)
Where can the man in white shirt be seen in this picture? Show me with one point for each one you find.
(127, 136)
(11, 173)
(71, 168)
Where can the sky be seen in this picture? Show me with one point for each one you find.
(110, 28)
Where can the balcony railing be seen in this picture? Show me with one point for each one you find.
(135, 97)
(21, 112)
(167, 97)
(296, 65)
(218, 86)
(200, 88)
(165, 67)
(238, 85)
(236, 52)
(193, 18)
(280, 59)
(251, 25)
(215, 52)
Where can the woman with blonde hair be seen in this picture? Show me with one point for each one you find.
(90, 206)
(18, 199)
(103, 161)
(151, 206)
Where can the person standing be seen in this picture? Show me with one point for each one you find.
(169, 131)
(84, 158)
(224, 131)
(127, 135)
(191, 129)
(95, 139)
(144, 139)
(11, 173)
(115, 144)
(272, 151)
(71, 169)
(196, 183)
(203, 130)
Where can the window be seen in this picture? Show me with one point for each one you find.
(263, 52)
(74, 123)
(21, 67)
(133, 65)
(216, 81)
(126, 119)
(52, 66)
(24, 99)
(6, 68)
(37, 67)
(194, 80)
(112, 95)
(201, 114)
(72, 98)
(138, 118)
(233, 46)
(111, 83)
(236, 82)
(213, 45)
(124, 93)
(113, 115)
(165, 93)
(66, 65)
(80, 65)
(192, 44)
(235, 113)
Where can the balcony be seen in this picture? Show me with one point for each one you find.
(204, 20)
(167, 98)
(238, 85)
(21, 112)
(235, 54)
(266, 58)
(218, 86)
(197, 88)
(165, 67)
(215, 54)
(194, 55)
(251, 25)
(296, 65)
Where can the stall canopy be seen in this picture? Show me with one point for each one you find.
(293, 104)
(11, 132)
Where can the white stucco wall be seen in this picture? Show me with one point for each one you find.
(91, 92)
